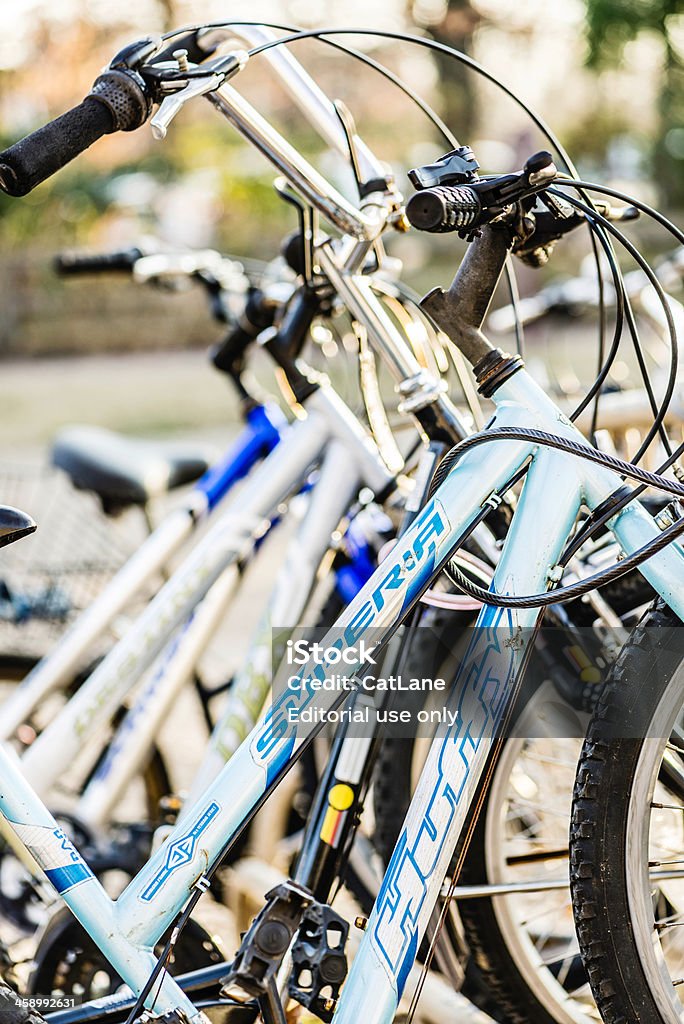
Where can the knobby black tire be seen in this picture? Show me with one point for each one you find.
(598, 836)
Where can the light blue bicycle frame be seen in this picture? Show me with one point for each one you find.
(556, 485)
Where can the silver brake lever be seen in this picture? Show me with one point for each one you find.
(161, 266)
(227, 66)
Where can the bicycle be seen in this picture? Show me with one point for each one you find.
(426, 544)
(105, 785)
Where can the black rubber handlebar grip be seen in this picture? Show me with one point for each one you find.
(33, 159)
(443, 208)
(66, 263)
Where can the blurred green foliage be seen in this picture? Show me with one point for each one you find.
(611, 25)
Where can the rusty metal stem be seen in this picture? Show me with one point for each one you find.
(460, 311)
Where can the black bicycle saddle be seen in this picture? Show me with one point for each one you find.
(14, 524)
(126, 471)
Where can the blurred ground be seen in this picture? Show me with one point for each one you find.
(144, 392)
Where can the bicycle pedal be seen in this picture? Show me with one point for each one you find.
(319, 961)
(316, 936)
(170, 1017)
(266, 942)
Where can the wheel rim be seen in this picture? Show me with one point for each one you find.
(650, 831)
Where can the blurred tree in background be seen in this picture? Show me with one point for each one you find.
(620, 114)
(454, 23)
(611, 26)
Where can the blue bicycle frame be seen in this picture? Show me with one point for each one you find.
(556, 485)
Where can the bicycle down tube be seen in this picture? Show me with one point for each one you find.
(231, 537)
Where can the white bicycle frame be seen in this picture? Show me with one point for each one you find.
(555, 486)
(229, 541)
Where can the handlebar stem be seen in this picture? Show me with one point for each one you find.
(461, 310)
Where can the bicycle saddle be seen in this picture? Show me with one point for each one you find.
(125, 471)
(14, 524)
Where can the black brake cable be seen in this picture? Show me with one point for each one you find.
(630, 320)
(604, 576)
(605, 366)
(603, 324)
(593, 523)
(164, 957)
(650, 211)
(321, 34)
(659, 411)
(514, 294)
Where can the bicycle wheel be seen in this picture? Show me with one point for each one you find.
(69, 962)
(627, 836)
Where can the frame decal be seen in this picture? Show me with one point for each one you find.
(485, 677)
(56, 854)
(180, 852)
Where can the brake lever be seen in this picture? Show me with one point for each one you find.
(215, 73)
(167, 266)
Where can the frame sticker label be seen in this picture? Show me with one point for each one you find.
(487, 672)
(180, 852)
(56, 854)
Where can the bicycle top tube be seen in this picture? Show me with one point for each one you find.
(309, 97)
(364, 223)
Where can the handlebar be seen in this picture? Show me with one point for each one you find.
(122, 260)
(459, 200)
(118, 101)
(121, 99)
(444, 208)
(35, 158)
